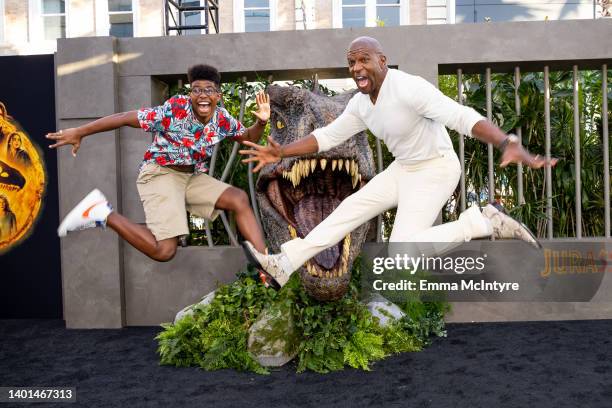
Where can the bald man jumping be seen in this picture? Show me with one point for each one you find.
(409, 114)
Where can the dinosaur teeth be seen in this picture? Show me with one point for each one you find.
(346, 242)
(346, 246)
(302, 169)
(311, 269)
(8, 187)
(295, 176)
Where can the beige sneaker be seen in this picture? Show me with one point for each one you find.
(271, 271)
(506, 227)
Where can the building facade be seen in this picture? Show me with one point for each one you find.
(32, 26)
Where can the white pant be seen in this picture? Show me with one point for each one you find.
(419, 192)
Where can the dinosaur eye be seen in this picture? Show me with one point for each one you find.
(279, 124)
(5, 174)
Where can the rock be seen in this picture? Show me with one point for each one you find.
(386, 311)
(273, 338)
(188, 310)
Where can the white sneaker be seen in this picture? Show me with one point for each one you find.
(271, 267)
(506, 227)
(91, 212)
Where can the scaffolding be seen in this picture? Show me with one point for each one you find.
(176, 18)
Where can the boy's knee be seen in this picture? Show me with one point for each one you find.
(165, 252)
(240, 199)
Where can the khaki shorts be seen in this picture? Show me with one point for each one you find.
(168, 194)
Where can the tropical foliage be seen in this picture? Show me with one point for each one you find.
(330, 335)
(531, 121)
(532, 209)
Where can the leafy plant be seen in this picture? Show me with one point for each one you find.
(332, 335)
(215, 336)
(531, 121)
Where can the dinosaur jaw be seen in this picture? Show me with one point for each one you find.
(304, 192)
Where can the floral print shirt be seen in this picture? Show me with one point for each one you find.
(179, 138)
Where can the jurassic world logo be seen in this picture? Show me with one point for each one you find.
(22, 182)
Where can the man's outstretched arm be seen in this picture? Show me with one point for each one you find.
(322, 139)
(274, 152)
(74, 136)
(512, 151)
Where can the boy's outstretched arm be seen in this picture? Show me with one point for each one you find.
(74, 136)
(255, 132)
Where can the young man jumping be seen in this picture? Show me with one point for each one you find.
(172, 177)
(409, 114)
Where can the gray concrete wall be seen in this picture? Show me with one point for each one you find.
(106, 283)
(155, 292)
(92, 264)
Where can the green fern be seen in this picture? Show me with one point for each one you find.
(333, 334)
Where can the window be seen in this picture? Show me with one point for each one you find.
(370, 13)
(388, 12)
(116, 18)
(468, 11)
(192, 17)
(48, 20)
(53, 14)
(121, 18)
(353, 13)
(254, 15)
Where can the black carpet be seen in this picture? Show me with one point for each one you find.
(542, 364)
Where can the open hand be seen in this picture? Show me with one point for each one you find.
(65, 137)
(516, 153)
(262, 154)
(263, 106)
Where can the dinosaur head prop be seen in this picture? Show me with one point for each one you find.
(10, 178)
(297, 193)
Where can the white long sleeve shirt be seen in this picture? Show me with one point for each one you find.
(409, 116)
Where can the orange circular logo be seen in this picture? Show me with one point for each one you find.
(22, 182)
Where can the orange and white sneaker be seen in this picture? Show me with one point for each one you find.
(91, 212)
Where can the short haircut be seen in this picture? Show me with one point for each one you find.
(204, 72)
